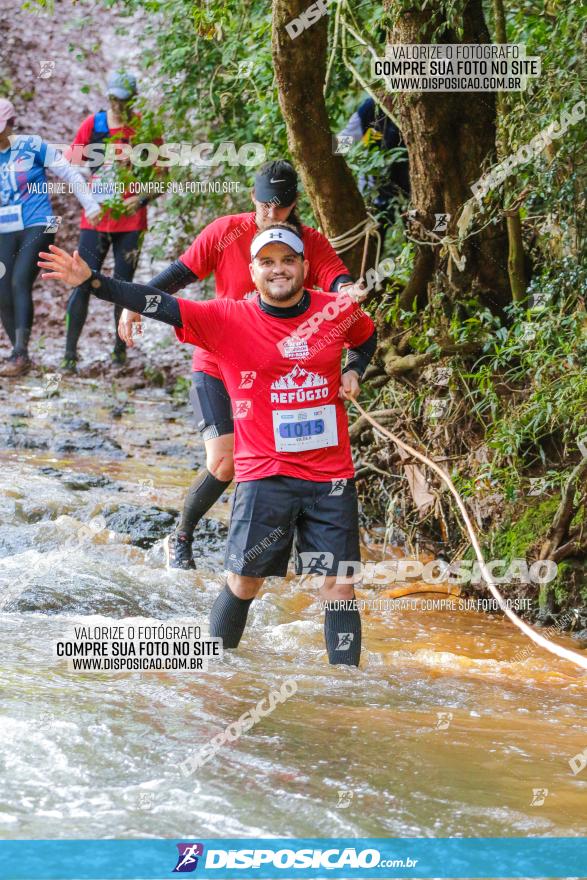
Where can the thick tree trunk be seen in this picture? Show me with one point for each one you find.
(516, 257)
(450, 136)
(300, 67)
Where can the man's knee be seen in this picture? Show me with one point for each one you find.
(332, 589)
(244, 587)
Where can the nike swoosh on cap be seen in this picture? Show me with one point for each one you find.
(278, 181)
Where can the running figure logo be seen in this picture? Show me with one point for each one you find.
(344, 641)
(337, 487)
(241, 409)
(341, 144)
(153, 300)
(53, 222)
(247, 378)
(187, 860)
(316, 563)
(444, 719)
(441, 222)
(46, 69)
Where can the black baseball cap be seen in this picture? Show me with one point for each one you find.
(276, 182)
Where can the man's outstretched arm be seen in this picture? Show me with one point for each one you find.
(142, 298)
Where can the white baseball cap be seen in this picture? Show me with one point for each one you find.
(279, 235)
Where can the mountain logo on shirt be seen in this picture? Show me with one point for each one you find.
(299, 378)
(299, 386)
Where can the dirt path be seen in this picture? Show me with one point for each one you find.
(47, 59)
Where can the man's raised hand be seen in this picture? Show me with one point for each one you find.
(71, 270)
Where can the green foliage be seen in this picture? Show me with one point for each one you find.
(181, 389)
(154, 377)
(446, 18)
(147, 130)
(531, 386)
(523, 531)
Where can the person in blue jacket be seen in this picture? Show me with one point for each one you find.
(27, 226)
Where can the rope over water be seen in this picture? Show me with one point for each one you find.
(542, 641)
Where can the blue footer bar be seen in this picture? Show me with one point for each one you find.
(230, 858)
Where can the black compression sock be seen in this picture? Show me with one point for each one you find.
(202, 494)
(228, 617)
(342, 632)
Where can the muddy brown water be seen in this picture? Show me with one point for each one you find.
(449, 728)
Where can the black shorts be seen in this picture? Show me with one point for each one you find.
(270, 516)
(211, 404)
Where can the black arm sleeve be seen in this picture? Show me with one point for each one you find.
(175, 277)
(358, 358)
(149, 301)
(340, 279)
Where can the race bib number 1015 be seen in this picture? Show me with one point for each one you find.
(297, 430)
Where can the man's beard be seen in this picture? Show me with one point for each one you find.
(282, 295)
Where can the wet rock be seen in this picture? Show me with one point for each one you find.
(581, 638)
(74, 424)
(13, 439)
(49, 471)
(144, 525)
(79, 481)
(84, 482)
(79, 599)
(90, 442)
(210, 537)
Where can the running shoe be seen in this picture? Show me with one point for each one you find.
(69, 364)
(16, 365)
(178, 551)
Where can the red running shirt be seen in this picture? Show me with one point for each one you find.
(136, 221)
(224, 247)
(283, 376)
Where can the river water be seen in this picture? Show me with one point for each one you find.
(450, 728)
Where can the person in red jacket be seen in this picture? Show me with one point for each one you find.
(223, 248)
(279, 356)
(125, 233)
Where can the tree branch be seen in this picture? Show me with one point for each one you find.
(562, 518)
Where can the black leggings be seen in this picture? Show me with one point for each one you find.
(18, 269)
(93, 247)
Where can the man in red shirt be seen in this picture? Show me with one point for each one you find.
(124, 233)
(223, 248)
(279, 355)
